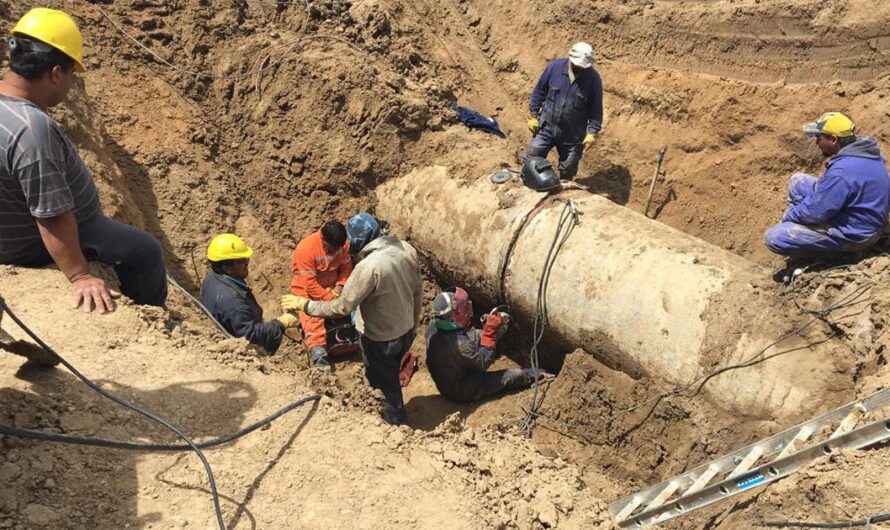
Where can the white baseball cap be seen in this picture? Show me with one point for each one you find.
(581, 55)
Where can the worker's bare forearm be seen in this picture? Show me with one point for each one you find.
(60, 236)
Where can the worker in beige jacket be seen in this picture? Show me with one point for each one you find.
(384, 290)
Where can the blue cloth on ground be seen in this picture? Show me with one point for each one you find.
(476, 120)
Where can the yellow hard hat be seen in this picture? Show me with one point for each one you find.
(831, 123)
(228, 246)
(55, 28)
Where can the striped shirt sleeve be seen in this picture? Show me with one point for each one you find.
(46, 189)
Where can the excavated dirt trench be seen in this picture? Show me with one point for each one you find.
(311, 108)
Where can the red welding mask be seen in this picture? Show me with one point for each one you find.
(461, 308)
(454, 306)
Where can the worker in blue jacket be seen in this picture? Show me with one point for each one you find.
(226, 295)
(844, 210)
(566, 109)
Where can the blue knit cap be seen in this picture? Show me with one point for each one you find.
(361, 229)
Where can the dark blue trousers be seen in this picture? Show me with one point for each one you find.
(135, 255)
(569, 153)
(803, 241)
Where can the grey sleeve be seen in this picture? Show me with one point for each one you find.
(360, 284)
(418, 300)
(41, 166)
(475, 355)
(45, 188)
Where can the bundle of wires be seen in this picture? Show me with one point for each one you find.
(568, 219)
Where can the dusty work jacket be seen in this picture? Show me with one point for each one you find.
(450, 354)
(315, 271)
(234, 306)
(385, 289)
(853, 195)
(569, 110)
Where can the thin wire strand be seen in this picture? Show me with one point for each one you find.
(759, 356)
(207, 75)
(867, 522)
(540, 321)
(198, 304)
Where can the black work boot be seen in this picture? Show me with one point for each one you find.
(393, 411)
(319, 357)
(394, 415)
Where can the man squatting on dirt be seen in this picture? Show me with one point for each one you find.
(50, 206)
(385, 289)
(227, 296)
(844, 210)
(458, 355)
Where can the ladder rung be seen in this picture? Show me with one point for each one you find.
(748, 462)
(664, 495)
(802, 435)
(758, 463)
(850, 420)
(703, 479)
(629, 508)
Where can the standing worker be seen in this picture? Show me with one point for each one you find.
(385, 288)
(226, 295)
(51, 211)
(566, 109)
(321, 266)
(458, 355)
(844, 210)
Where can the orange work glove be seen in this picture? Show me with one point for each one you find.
(490, 330)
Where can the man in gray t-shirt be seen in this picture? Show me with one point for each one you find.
(50, 207)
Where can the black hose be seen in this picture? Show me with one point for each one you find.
(120, 401)
(568, 215)
(867, 522)
(149, 446)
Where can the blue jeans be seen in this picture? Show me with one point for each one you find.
(803, 241)
(135, 255)
(569, 153)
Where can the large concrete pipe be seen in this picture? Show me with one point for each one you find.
(639, 295)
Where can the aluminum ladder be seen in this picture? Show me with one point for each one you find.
(852, 426)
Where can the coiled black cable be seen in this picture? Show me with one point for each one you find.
(189, 444)
(568, 219)
(150, 446)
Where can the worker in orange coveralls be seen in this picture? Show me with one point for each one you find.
(321, 266)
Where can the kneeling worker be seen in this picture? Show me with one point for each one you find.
(385, 291)
(321, 266)
(845, 209)
(459, 355)
(227, 296)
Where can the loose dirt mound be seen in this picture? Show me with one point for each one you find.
(316, 106)
(303, 110)
(325, 465)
